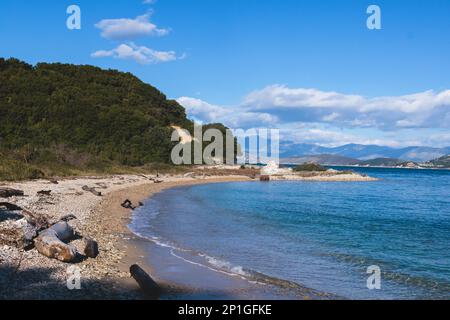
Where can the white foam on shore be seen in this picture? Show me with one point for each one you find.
(216, 265)
(241, 275)
(225, 265)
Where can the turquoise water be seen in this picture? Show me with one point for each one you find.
(323, 235)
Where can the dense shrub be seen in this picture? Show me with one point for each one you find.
(309, 167)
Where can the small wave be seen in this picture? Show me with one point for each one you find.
(217, 264)
(218, 270)
(224, 267)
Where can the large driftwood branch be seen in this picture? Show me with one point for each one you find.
(54, 181)
(147, 284)
(8, 193)
(44, 192)
(92, 190)
(39, 221)
(10, 206)
(51, 242)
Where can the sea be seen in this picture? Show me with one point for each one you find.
(388, 239)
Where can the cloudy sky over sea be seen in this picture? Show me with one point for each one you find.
(312, 69)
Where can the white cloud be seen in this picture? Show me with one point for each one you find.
(331, 118)
(129, 29)
(334, 137)
(233, 117)
(424, 109)
(282, 96)
(140, 54)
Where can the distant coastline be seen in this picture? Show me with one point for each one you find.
(375, 167)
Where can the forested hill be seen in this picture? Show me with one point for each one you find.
(73, 114)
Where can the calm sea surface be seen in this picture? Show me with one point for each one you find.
(323, 235)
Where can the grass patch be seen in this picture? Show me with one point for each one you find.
(13, 169)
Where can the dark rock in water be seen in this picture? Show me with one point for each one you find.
(264, 178)
(128, 205)
(91, 248)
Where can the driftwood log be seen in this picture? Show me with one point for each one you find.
(8, 193)
(68, 217)
(90, 248)
(44, 192)
(10, 206)
(26, 234)
(51, 242)
(39, 221)
(92, 190)
(25, 230)
(145, 282)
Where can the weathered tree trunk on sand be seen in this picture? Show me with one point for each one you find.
(8, 193)
(50, 242)
(10, 206)
(68, 217)
(25, 230)
(145, 282)
(39, 221)
(92, 190)
(44, 193)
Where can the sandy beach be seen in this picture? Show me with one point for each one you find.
(101, 218)
(30, 275)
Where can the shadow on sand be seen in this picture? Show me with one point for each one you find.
(43, 284)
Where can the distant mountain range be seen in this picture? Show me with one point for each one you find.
(362, 152)
(443, 162)
(323, 159)
(330, 159)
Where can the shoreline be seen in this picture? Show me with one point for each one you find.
(134, 247)
(106, 221)
(228, 286)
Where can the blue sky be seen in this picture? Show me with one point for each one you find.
(310, 68)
